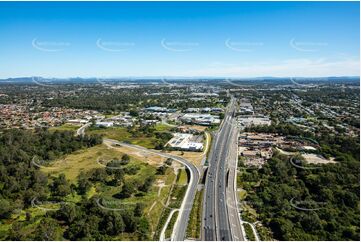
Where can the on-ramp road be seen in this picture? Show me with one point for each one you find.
(81, 130)
(180, 226)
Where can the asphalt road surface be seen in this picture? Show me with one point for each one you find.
(220, 216)
(81, 130)
(232, 203)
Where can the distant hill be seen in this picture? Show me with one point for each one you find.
(254, 80)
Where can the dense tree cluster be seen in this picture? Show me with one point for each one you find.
(21, 145)
(101, 98)
(327, 197)
(21, 182)
(90, 222)
(306, 204)
(20, 179)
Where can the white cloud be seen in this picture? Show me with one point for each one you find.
(293, 67)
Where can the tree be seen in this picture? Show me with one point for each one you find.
(161, 170)
(83, 184)
(143, 228)
(138, 210)
(125, 159)
(67, 213)
(127, 190)
(168, 162)
(118, 177)
(62, 191)
(16, 232)
(113, 224)
(133, 113)
(6, 208)
(60, 186)
(310, 222)
(131, 170)
(48, 229)
(98, 174)
(148, 182)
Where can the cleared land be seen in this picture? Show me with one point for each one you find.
(133, 136)
(122, 134)
(151, 159)
(316, 159)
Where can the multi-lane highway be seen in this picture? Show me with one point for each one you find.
(231, 191)
(220, 216)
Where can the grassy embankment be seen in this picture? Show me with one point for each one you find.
(195, 219)
(249, 232)
(174, 201)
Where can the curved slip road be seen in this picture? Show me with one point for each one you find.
(81, 130)
(180, 226)
(162, 234)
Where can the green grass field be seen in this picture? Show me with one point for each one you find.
(65, 127)
(163, 127)
(122, 134)
(182, 177)
(82, 160)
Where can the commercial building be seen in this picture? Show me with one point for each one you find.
(184, 142)
(192, 110)
(204, 94)
(204, 110)
(249, 120)
(201, 119)
(245, 107)
(77, 121)
(217, 110)
(160, 109)
(104, 124)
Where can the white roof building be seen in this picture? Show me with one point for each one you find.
(104, 124)
(203, 119)
(206, 110)
(184, 142)
(77, 121)
(192, 110)
(254, 120)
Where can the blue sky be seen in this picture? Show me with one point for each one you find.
(223, 39)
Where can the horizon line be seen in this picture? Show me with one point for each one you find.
(179, 77)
